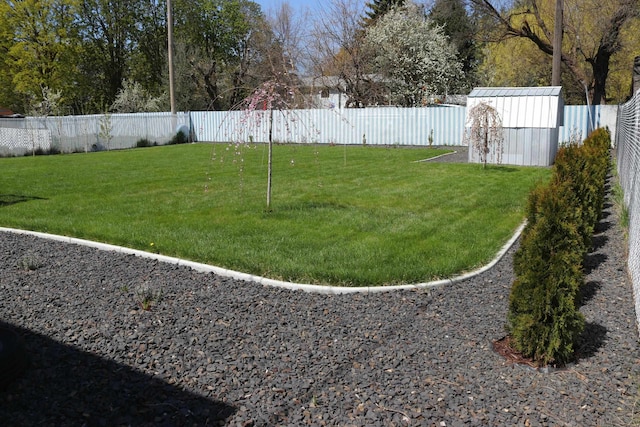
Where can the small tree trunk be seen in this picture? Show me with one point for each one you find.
(485, 146)
(270, 160)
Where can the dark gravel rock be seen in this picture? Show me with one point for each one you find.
(217, 351)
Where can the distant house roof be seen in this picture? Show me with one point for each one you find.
(493, 92)
(7, 113)
(322, 81)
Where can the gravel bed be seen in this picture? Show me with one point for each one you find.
(217, 351)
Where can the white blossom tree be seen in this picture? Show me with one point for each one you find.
(414, 55)
(133, 98)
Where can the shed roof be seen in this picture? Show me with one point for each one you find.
(491, 92)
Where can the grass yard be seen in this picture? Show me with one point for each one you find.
(340, 215)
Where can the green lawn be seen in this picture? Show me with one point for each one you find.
(340, 215)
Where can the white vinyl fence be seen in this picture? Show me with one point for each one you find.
(628, 164)
(436, 125)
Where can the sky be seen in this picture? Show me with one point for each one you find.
(312, 5)
(297, 4)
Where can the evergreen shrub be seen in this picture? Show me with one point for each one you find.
(543, 319)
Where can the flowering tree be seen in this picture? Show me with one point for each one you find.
(133, 98)
(273, 96)
(413, 54)
(485, 132)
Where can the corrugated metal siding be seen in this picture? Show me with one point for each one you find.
(524, 112)
(524, 147)
(378, 126)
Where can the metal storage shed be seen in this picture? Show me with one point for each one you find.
(531, 117)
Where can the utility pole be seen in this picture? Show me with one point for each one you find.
(172, 98)
(556, 70)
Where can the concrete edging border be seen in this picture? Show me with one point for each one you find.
(321, 289)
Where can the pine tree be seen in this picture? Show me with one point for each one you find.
(461, 29)
(377, 9)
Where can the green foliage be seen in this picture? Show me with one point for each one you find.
(146, 296)
(585, 167)
(215, 38)
(378, 8)
(143, 142)
(86, 51)
(179, 138)
(599, 43)
(452, 15)
(543, 318)
(621, 207)
(41, 50)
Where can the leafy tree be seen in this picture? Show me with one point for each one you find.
(413, 55)
(8, 97)
(111, 31)
(593, 34)
(148, 61)
(452, 15)
(515, 62)
(133, 98)
(214, 35)
(40, 52)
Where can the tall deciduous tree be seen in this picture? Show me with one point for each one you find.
(214, 35)
(40, 52)
(111, 31)
(593, 32)
(413, 55)
(338, 48)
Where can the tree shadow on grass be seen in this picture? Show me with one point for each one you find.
(12, 199)
(65, 386)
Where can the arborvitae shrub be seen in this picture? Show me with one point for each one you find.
(571, 171)
(543, 319)
(596, 148)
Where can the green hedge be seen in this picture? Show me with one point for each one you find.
(543, 319)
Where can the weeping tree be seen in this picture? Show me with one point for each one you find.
(277, 96)
(485, 133)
